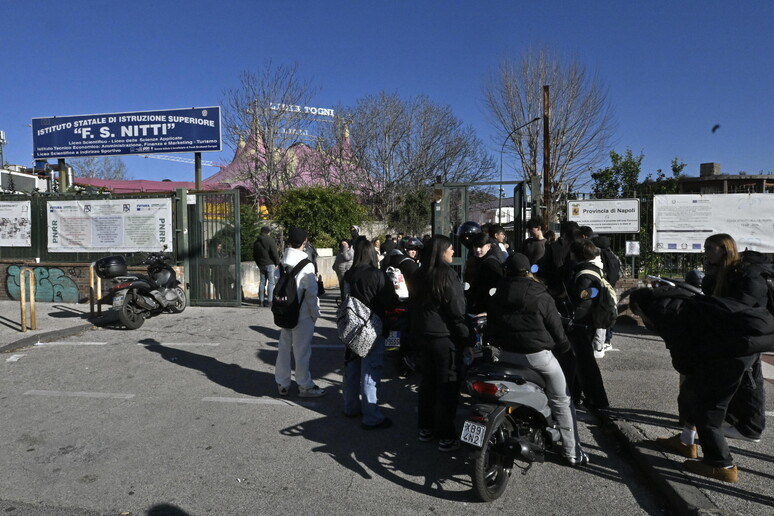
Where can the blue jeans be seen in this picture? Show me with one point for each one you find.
(267, 276)
(361, 380)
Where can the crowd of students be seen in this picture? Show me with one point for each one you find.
(530, 297)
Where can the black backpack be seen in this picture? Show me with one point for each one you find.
(285, 304)
(612, 266)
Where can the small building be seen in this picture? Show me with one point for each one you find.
(711, 181)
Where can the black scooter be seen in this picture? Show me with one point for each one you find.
(136, 298)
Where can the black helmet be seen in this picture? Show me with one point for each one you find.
(413, 243)
(466, 231)
(694, 278)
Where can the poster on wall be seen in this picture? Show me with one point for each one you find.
(15, 224)
(606, 215)
(117, 225)
(682, 222)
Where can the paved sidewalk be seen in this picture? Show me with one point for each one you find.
(54, 321)
(641, 385)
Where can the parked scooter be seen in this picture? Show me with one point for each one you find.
(510, 421)
(136, 298)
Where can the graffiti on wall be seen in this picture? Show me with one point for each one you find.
(51, 285)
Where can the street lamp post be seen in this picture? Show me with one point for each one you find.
(502, 149)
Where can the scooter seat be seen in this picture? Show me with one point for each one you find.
(508, 371)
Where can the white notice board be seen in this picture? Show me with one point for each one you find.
(682, 222)
(606, 215)
(115, 225)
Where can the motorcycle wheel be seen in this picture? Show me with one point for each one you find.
(490, 475)
(130, 316)
(181, 302)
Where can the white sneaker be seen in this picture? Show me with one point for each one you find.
(606, 347)
(731, 432)
(600, 353)
(283, 391)
(312, 392)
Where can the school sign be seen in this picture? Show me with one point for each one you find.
(143, 132)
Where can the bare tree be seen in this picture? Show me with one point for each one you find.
(398, 147)
(266, 113)
(580, 119)
(102, 167)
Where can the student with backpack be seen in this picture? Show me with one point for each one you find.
(586, 275)
(368, 284)
(296, 307)
(612, 271)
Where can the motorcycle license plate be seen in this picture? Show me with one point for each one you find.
(118, 301)
(473, 433)
(393, 341)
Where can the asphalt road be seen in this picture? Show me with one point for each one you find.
(182, 417)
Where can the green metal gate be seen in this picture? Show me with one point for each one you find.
(214, 252)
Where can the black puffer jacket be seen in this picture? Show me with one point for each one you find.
(522, 318)
(700, 328)
(441, 320)
(747, 280)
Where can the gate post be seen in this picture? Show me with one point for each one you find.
(22, 297)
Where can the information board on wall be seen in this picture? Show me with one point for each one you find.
(682, 222)
(120, 225)
(606, 215)
(143, 132)
(15, 224)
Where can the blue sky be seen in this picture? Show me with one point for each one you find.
(673, 69)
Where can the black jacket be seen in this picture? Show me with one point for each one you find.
(372, 286)
(265, 251)
(577, 286)
(441, 320)
(523, 318)
(699, 328)
(482, 275)
(747, 280)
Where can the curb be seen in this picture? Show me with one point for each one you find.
(682, 496)
(31, 340)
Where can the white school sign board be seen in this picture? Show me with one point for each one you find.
(682, 222)
(119, 225)
(606, 215)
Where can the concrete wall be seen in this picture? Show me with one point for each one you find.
(251, 277)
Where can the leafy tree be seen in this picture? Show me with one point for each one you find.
(412, 215)
(326, 213)
(101, 167)
(620, 179)
(580, 120)
(249, 228)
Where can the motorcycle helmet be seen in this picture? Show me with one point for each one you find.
(466, 231)
(694, 278)
(413, 243)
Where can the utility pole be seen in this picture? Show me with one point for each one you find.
(547, 199)
(198, 169)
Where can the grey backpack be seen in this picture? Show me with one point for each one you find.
(357, 325)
